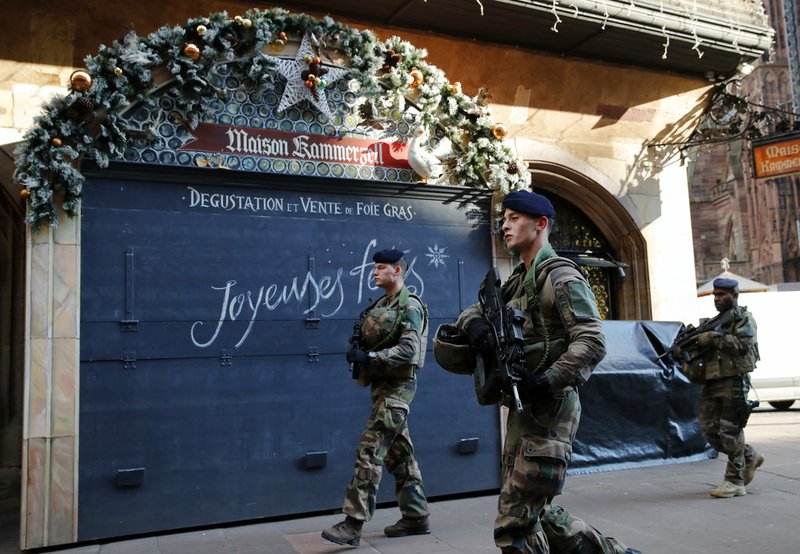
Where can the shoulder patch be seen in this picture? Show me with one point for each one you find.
(415, 314)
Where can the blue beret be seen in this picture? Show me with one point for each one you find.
(390, 256)
(529, 203)
(725, 283)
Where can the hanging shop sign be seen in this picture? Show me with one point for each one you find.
(774, 157)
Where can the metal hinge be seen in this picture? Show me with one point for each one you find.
(225, 358)
(313, 354)
(129, 360)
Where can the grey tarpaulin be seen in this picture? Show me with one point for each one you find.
(637, 410)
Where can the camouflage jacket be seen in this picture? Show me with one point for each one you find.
(400, 352)
(735, 352)
(563, 335)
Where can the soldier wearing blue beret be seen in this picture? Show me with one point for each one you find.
(722, 357)
(564, 342)
(390, 256)
(723, 283)
(530, 203)
(386, 351)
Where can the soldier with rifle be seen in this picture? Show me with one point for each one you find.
(686, 348)
(719, 354)
(387, 348)
(537, 337)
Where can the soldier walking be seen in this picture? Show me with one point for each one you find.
(389, 350)
(563, 342)
(722, 358)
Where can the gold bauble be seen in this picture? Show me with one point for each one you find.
(118, 71)
(499, 131)
(278, 46)
(192, 51)
(238, 19)
(25, 193)
(246, 23)
(80, 80)
(201, 30)
(416, 77)
(56, 142)
(456, 87)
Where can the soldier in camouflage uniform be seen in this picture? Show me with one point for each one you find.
(391, 348)
(563, 343)
(728, 355)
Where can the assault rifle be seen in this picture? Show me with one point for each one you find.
(506, 324)
(689, 335)
(355, 342)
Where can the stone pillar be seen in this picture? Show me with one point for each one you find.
(51, 389)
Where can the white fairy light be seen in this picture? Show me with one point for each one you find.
(554, 28)
(696, 46)
(693, 19)
(736, 29)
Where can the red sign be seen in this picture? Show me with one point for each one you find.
(777, 157)
(269, 143)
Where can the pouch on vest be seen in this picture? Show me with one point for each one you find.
(364, 376)
(695, 370)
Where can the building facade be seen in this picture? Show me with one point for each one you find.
(580, 91)
(754, 223)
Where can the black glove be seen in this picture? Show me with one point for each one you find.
(535, 386)
(357, 356)
(481, 337)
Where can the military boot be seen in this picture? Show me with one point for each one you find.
(751, 467)
(407, 526)
(347, 532)
(727, 490)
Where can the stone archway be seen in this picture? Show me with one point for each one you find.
(614, 221)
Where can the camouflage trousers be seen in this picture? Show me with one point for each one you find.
(723, 414)
(535, 456)
(386, 442)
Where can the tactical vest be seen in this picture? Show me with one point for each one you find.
(720, 363)
(381, 325)
(545, 340)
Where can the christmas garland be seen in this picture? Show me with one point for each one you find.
(393, 75)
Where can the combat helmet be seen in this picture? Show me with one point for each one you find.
(452, 350)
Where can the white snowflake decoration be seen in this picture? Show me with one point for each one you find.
(437, 255)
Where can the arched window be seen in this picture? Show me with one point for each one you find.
(575, 236)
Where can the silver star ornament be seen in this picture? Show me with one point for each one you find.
(296, 90)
